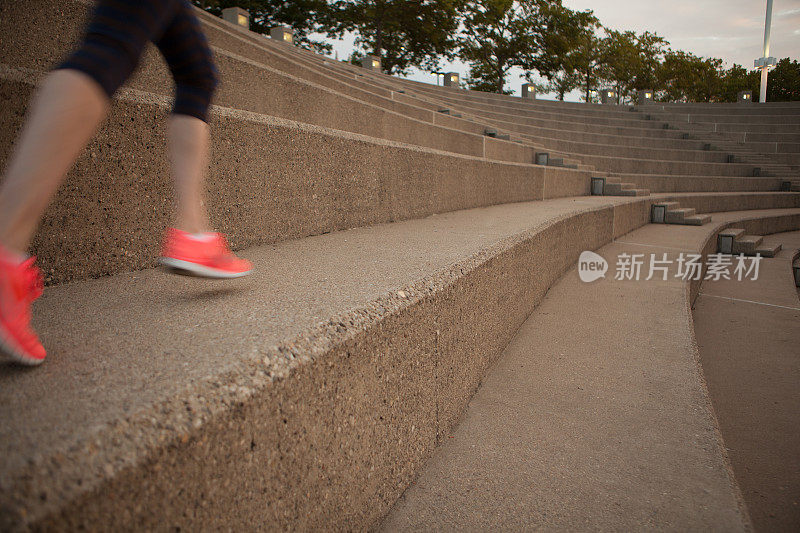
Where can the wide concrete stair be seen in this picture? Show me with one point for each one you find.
(522, 454)
(612, 186)
(394, 246)
(673, 213)
(747, 338)
(734, 241)
(747, 133)
(438, 94)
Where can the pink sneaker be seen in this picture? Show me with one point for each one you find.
(185, 254)
(20, 285)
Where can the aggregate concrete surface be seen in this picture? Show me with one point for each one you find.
(749, 340)
(595, 418)
(120, 344)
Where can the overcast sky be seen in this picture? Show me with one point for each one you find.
(732, 30)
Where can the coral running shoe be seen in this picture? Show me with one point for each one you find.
(20, 285)
(206, 256)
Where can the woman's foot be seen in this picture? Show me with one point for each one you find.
(20, 285)
(206, 255)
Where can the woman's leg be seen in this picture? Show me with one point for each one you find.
(186, 51)
(69, 107)
(188, 151)
(64, 115)
(188, 249)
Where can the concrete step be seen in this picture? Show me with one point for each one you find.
(732, 233)
(634, 192)
(666, 212)
(748, 353)
(247, 73)
(696, 220)
(271, 180)
(677, 215)
(735, 241)
(617, 189)
(501, 486)
(715, 202)
(670, 183)
(747, 244)
(224, 414)
(769, 250)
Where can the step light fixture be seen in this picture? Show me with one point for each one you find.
(282, 33)
(238, 16)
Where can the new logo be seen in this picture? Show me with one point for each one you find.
(591, 267)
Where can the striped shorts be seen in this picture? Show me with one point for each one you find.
(117, 34)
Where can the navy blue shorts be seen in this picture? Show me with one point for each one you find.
(117, 34)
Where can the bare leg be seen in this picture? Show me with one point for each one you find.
(188, 150)
(64, 115)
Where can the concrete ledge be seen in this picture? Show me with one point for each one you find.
(721, 201)
(249, 84)
(688, 184)
(757, 223)
(270, 180)
(317, 421)
(631, 414)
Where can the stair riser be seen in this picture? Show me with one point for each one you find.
(269, 182)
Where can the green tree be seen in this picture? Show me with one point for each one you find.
(587, 55)
(558, 38)
(783, 84)
(737, 79)
(495, 35)
(500, 34)
(685, 77)
(619, 61)
(651, 48)
(630, 61)
(561, 83)
(305, 17)
(404, 33)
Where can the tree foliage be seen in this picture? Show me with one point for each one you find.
(497, 35)
(305, 17)
(630, 62)
(404, 33)
(569, 49)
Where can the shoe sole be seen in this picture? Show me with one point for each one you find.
(186, 268)
(9, 352)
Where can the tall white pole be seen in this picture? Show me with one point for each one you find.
(765, 67)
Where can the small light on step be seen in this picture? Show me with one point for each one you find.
(528, 91)
(451, 79)
(238, 16)
(282, 33)
(371, 63)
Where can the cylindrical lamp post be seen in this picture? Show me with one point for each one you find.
(766, 61)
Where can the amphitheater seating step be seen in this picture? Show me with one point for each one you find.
(734, 241)
(145, 364)
(526, 454)
(613, 186)
(672, 213)
(748, 337)
(449, 112)
(331, 374)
